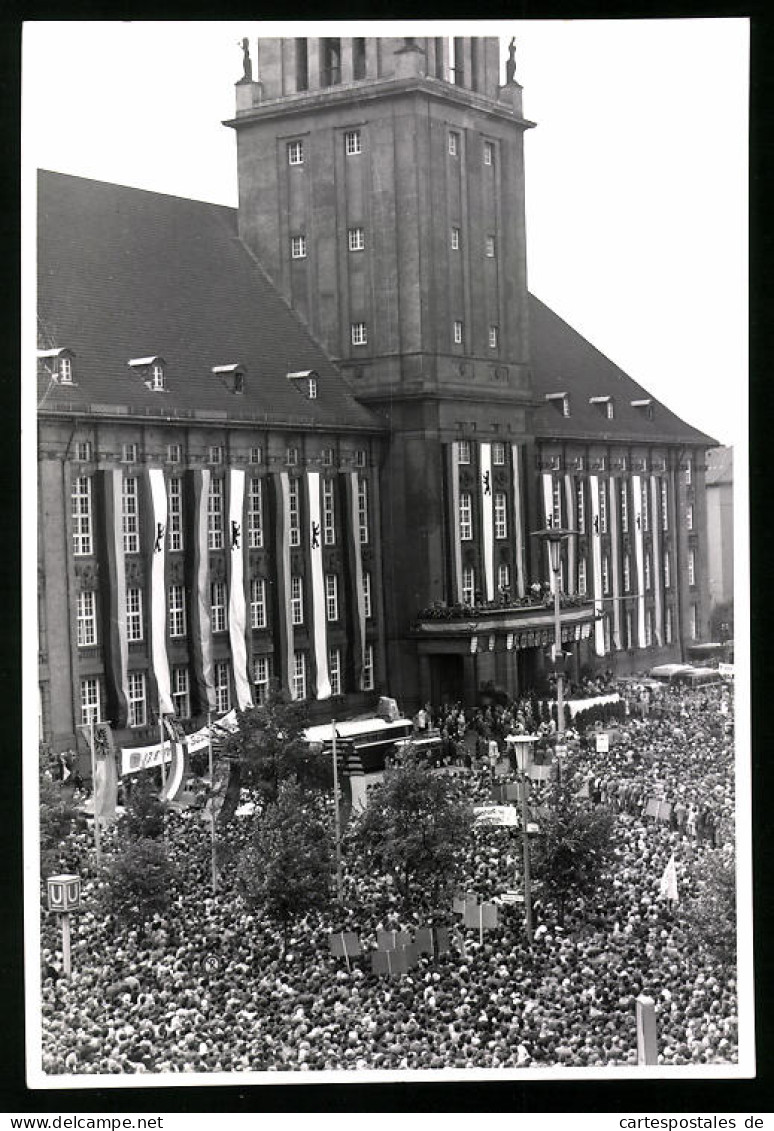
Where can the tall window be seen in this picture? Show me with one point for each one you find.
(157, 377)
(218, 606)
(503, 577)
(334, 670)
(627, 574)
(291, 456)
(215, 515)
(629, 629)
(466, 516)
(490, 247)
(454, 143)
(175, 513)
(296, 601)
(295, 153)
(624, 508)
(356, 238)
(691, 567)
(489, 153)
(500, 515)
(134, 630)
(605, 574)
(668, 631)
(215, 453)
(256, 455)
(257, 602)
(493, 337)
(582, 576)
(645, 507)
(295, 517)
(667, 570)
(329, 513)
(580, 506)
(362, 509)
(129, 515)
(358, 333)
(694, 622)
(498, 454)
(688, 472)
(689, 516)
(298, 689)
(298, 247)
(331, 596)
(81, 508)
(90, 701)
(367, 594)
(129, 453)
(664, 506)
(603, 508)
(353, 142)
(464, 451)
(368, 668)
(222, 686)
(455, 239)
(255, 514)
(458, 333)
(87, 619)
(137, 709)
(174, 453)
(83, 452)
(556, 497)
(360, 457)
(181, 697)
(261, 678)
(649, 628)
(646, 570)
(468, 585)
(177, 610)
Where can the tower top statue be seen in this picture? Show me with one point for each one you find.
(247, 64)
(510, 66)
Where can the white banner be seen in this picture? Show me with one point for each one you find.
(319, 612)
(203, 596)
(158, 609)
(638, 553)
(596, 562)
(569, 499)
(236, 590)
(283, 533)
(487, 518)
(548, 520)
(656, 570)
(517, 527)
(615, 487)
(354, 533)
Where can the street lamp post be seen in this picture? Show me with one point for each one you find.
(523, 751)
(555, 536)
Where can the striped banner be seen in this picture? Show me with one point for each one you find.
(487, 517)
(200, 637)
(283, 625)
(518, 533)
(548, 520)
(156, 541)
(638, 552)
(237, 605)
(656, 570)
(108, 485)
(178, 767)
(569, 498)
(615, 487)
(454, 526)
(320, 678)
(596, 562)
(357, 565)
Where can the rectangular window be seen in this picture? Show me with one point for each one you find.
(629, 629)
(493, 337)
(645, 507)
(609, 410)
(689, 517)
(215, 515)
(222, 686)
(129, 453)
(175, 513)
(298, 247)
(295, 153)
(500, 515)
(580, 506)
(566, 410)
(624, 508)
(356, 239)
(299, 675)
(137, 711)
(366, 594)
(664, 506)
(489, 153)
(454, 143)
(498, 454)
(582, 576)
(458, 333)
(331, 596)
(353, 142)
(463, 451)
(81, 511)
(646, 571)
(291, 456)
(181, 693)
(255, 514)
(368, 668)
(691, 567)
(90, 702)
(177, 610)
(603, 508)
(134, 626)
(627, 574)
(359, 333)
(257, 602)
(174, 453)
(129, 515)
(648, 628)
(296, 601)
(327, 457)
(468, 585)
(261, 678)
(455, 239)
(295, 514)
(83, 451)
(215, 453)
(329, 513)
(668, 625)
(694, 622)
(334, 670)
(504, 577)
(688, 473)
(256, 455)
(667, 571)
(466, 516)
(87, 619)
(556, 498)
(362, 510)
(490, 247)
(360, 458)
(605, 575)
(218, 609)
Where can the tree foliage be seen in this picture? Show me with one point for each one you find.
(58, 820)
(138, 881)
(415, 828)
(144, 815)
(573, 846)
(712, 911)
(286, 870)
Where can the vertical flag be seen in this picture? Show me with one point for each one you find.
(638, 552)
(569, 498)
(668, 885)
(596, 563)
(615, 553)
(201, 623)
(357, 563)
(548, 519)
(177, 768)
(283, 635)
(105, 775)
(456, 544)
(237, 611)
(111, 551)
(518, 533)
(656, 563)
(487, 517)
(321, 686)
(156, 540)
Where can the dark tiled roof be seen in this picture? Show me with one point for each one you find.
(564, 362)
(720, 466)
(125, 273)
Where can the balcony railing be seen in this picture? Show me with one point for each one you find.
(540, 598)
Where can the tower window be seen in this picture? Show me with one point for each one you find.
(458, 333)
(359, 333)
(455, 239)
(489, 152)
(490, 247)
(298, 247)
(312, 387)
(65, 371)
(454, 143)
(353, 142)
(295, 153)
(356, 239)
(157, 377)
(493, 338)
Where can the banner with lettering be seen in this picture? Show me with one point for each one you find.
(156, 539)
(639, 553)
(487, 518)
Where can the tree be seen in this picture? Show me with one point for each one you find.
(573, 846)
(712, 911)
(415, 828)
(269, 749)
(144, 816)
(286, 870)
(138, 881)
(59, 818)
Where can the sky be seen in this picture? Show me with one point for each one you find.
(636, 170)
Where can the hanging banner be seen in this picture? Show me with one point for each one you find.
(454, 494)
(156, 549)
(321, 688)
(357, 553)
(616, 486)
(639, 555)
(237, 608)
(596, 562)
(518, 532)
(487, 517)
(656, 570)
(569, 499)
(548, 516)
(283, 639)
(110, 551)
(201, 623)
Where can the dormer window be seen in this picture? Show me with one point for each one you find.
(232, 376)
(157, 377)
(605, 405)
(152, 370)
(561, 401)
(645, 406)
(59, 364)
(307, 381)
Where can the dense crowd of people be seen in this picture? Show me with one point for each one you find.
(209, 987)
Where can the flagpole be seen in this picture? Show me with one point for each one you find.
(97, 842)
(337, 816)
(213, 864)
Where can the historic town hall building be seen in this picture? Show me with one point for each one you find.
(311, 440)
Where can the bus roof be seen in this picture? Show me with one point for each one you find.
(353, 727)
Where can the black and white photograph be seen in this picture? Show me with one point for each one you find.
(388, 458)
